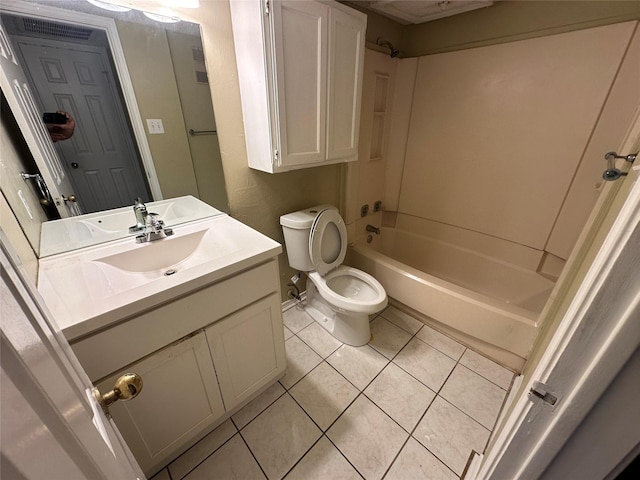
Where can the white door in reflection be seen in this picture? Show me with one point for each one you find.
(100, 158)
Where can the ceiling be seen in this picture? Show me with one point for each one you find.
(419, 11)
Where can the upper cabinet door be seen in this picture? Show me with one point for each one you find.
(346, 61)
(300, 31)
(300, 66)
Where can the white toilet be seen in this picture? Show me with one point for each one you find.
(339, 298)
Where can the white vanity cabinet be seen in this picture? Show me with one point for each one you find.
(244, 347)
(201, 357)
(180, 399)
(300, 70)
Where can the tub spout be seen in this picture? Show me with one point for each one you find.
(372, 229)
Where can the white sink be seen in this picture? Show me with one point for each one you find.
(59, 236)
(91, 287)
(161, 254)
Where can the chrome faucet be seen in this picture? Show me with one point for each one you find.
(154, 229)
(140, 211)
(372, 229)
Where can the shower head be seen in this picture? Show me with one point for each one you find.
(385, 43)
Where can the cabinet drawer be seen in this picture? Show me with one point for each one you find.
(112, 349)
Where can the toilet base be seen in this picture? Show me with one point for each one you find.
(350, 328)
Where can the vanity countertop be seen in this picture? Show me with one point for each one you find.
(68, 234)
(92, 288)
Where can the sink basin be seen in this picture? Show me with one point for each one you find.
(59, 236)
(157, 255)
(88, 288)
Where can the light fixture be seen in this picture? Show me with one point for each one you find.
(108, 6)
(161, 18)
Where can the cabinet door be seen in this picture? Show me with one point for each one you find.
(248, 349)
(179, 400)
(346, 61)
(300, 41)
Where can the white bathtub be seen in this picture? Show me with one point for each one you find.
(487, 299)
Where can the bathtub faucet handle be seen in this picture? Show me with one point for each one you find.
(372, 229)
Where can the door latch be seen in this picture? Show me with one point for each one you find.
(541, 391)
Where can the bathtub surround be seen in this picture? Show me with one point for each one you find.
(464, 170)
(490, 151)
(345, 415)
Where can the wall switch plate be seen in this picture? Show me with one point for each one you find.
(155, 126)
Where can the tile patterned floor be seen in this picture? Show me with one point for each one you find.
(412, 403)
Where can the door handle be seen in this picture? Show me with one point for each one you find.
(70, 198)
(127, 386)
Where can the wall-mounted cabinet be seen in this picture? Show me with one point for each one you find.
(300, 73)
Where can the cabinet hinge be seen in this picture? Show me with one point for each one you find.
(267, 7)
(541, 391)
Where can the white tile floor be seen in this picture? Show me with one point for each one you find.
(411, 404)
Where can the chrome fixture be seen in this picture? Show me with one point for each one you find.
(377, 206)
(45, 195)
(372, 229)
(613, 173)
(140, 211)
(154, 229)
(364, 210)
(193, 132)
(385, 43)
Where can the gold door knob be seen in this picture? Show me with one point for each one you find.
(127, 386)
(70, 198)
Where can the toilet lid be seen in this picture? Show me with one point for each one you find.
(328, 241)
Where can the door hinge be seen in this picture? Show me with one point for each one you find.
(541, 391)
(267, 7)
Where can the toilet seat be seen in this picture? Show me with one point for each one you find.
(327, 241)
(364, 294)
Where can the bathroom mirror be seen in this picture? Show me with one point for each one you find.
(166, 68)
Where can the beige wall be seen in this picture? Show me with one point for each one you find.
(506, 21)
(149, 62)
(197, 109)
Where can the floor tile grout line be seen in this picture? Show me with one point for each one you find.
(343, 455)
(259, 413)
(204, 459)
(487, 379)
(390, 360)
(253, 455)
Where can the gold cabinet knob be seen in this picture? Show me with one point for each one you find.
(127, 386)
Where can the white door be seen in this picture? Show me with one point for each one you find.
(52, 427)
(346, 61)
(100, 157)
(22, 104)
(300, 34)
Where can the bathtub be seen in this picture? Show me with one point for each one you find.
(486, 299)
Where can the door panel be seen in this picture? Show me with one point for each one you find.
(47, 417)
(100, 157)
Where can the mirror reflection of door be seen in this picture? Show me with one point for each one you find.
(70, 69)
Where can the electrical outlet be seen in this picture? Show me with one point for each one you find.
(155, 126)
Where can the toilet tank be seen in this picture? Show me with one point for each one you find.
(296, 227)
